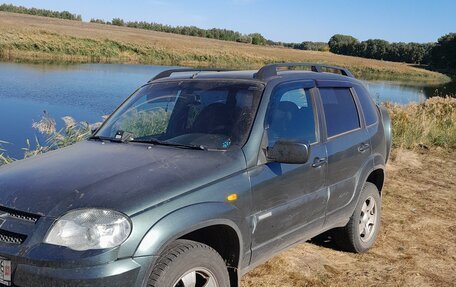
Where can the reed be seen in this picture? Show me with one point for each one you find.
(429, 124)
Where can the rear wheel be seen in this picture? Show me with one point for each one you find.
(188, 263)
(361, 231)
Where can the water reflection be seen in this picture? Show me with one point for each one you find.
(404, 93)
(85, 92)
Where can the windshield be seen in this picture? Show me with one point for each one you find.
(210, 114)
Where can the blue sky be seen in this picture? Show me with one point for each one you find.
(281, 20)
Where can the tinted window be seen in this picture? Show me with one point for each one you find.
(369, 110)
(291, 115)
(340, 110)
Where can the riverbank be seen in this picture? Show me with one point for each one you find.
(25, 38)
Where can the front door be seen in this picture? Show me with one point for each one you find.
(288, 199)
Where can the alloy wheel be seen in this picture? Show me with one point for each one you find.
(368, 219)
(197, 277)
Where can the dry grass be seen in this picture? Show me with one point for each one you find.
(430, 124)
(416, 245)
(25, 37)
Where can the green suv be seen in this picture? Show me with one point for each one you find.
(197, 177)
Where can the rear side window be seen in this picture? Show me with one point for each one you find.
(369, 110)
(340, 110)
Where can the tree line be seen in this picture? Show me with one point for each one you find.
(214, 33)
(440, 55)
(40, 12)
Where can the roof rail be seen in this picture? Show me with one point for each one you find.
(168, 73)
(271, 70)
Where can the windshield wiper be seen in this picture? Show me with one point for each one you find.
(166, 143)
(121, 137)
(100, 138)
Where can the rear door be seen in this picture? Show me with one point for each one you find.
(348, 144)
(289, 199)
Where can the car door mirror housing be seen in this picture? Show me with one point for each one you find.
(285, 151)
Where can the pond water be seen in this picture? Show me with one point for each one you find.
(89, 91)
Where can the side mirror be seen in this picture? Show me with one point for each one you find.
(285, 151)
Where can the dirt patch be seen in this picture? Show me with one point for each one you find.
(416, 245)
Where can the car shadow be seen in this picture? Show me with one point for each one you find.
(325, 240)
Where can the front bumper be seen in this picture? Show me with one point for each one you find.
(38, 264)
(124, 272)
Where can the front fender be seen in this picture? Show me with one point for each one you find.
(191, 218)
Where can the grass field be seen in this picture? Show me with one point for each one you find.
(32, 38)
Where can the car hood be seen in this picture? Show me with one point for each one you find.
(124, 177)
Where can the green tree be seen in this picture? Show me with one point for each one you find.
(258, 39)
(443, 54)
(118, 22)
(415, 53)
(342, 44)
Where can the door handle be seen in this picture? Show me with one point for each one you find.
(363, 147)
(318, 162)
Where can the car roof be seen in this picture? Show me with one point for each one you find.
(253, 75)
(249, 75)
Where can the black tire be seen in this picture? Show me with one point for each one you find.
(183, 256)
(350, 238)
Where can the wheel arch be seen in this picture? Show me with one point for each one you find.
(223, 239)
(377, 177)
(198, 223)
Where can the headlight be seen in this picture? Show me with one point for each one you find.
(87, 229)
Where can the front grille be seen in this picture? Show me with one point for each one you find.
(11, 237)
(20, 214)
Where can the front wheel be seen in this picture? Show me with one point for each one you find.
(361, 231)
(188, 263)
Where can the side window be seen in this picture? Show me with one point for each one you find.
(369, 110)
(340, 110)
(291, 115)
